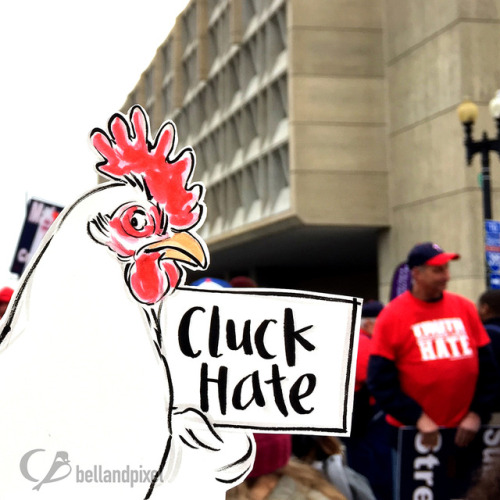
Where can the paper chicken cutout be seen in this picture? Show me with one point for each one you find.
(110, 364)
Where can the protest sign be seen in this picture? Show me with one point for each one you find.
(39, 216)
(401, 280)
(444, 471)
(264, 359)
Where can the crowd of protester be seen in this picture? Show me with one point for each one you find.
(428, 360)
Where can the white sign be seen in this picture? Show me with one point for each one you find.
(263, 359)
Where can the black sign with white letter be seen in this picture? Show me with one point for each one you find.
(444, 471)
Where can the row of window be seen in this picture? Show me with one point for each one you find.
(222, 133)
(259, 190)
(255, 56)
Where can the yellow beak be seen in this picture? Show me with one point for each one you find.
(183, 247)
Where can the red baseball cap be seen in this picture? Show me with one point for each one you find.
(429, 254)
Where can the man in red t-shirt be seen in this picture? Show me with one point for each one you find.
(431, 363)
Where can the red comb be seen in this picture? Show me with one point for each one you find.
(130, 156)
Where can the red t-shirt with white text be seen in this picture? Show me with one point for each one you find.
(434, 347)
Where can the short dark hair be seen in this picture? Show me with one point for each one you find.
(492, 299)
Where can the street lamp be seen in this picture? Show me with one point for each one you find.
(467, 113)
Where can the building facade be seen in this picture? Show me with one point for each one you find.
(326, 133)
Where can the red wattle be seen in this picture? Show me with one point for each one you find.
(149, 283)
(173, 272)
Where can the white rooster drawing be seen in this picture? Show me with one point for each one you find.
(84, 371)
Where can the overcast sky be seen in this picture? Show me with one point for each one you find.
(65, 68)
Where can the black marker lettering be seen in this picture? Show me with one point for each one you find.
(259, 339)
(257, 395)
(246, 341)
(292, 336)
(221, 382)
(277, 389)
(184, 341)
(296, 395)
(214, 333)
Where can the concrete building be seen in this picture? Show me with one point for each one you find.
(327, 136)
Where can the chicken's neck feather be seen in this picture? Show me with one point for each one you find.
(152, 315)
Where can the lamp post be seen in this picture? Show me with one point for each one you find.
(467, 113)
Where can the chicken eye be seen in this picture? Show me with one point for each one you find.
(137, 222)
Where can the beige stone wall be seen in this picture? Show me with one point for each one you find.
(337, 116)
(436, 53)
